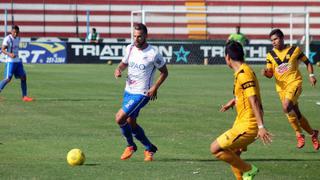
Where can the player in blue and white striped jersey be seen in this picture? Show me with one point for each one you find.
(13, 64)
(142, 60)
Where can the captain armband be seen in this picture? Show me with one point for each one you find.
(248, 84)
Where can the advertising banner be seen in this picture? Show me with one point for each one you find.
(43, 52)
(174, 52)
(95, 53)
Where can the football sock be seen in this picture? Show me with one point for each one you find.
(139, 134)
(24, 87)
(127, 133)
(237, 173)
(294, 123)
(234, 160)
(305, 125)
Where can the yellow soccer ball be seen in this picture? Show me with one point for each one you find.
(75, 157)
(110, 62)
(318, 64)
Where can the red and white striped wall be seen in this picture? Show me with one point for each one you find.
(111, 18)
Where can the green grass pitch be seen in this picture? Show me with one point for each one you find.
(75, 107)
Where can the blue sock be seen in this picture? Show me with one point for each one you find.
(24, 87)
(3, 84)
(127, 133)
(140, 135)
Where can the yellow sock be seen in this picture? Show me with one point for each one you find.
(294, 123)
(305, 125)
(237, 173)
(231, 158)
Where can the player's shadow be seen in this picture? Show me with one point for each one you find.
(311, 152)
(72, 99)
(184, 160)
(92, 164)
(284, 160)
(253, 159)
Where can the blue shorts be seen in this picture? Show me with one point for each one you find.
(14, 68)
(132, 103)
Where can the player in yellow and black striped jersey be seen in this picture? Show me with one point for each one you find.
(249, 121)
(283, 63)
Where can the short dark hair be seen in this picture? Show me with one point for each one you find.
(15, 27)
(94, 29)
(141, 27)
(235, 50)
(277, 32)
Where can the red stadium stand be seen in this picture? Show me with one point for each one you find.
(111, 18)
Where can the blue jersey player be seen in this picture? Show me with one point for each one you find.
(142, 60)
(13, 64)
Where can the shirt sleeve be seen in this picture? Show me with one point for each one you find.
(5, 41)
(248, 84)
(126, 56)
(269, 61)
(301, 55)
(159, 62)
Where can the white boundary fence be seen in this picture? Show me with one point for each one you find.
(144, 18)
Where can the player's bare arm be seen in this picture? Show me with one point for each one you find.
(312, 77)
(227, 106)
(263, 134)
(121, 67)
(152, 93)
(4, 51)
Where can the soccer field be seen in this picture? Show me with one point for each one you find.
(75, 107)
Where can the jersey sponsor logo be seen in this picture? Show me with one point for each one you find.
(130, 81)
(129, 103)
(137, 66)
(288, 56)
(227, 137)
(283, 68)
(145, 58)
(248, 84)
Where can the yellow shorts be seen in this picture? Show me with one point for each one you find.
(236, 138)
(292, 93)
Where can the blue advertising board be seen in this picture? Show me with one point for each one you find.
(43, 52)
(173, 52)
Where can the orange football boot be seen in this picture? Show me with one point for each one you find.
(128, 152)
(301, 141)
(148, 154)
(27, 99)
(315, 140)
